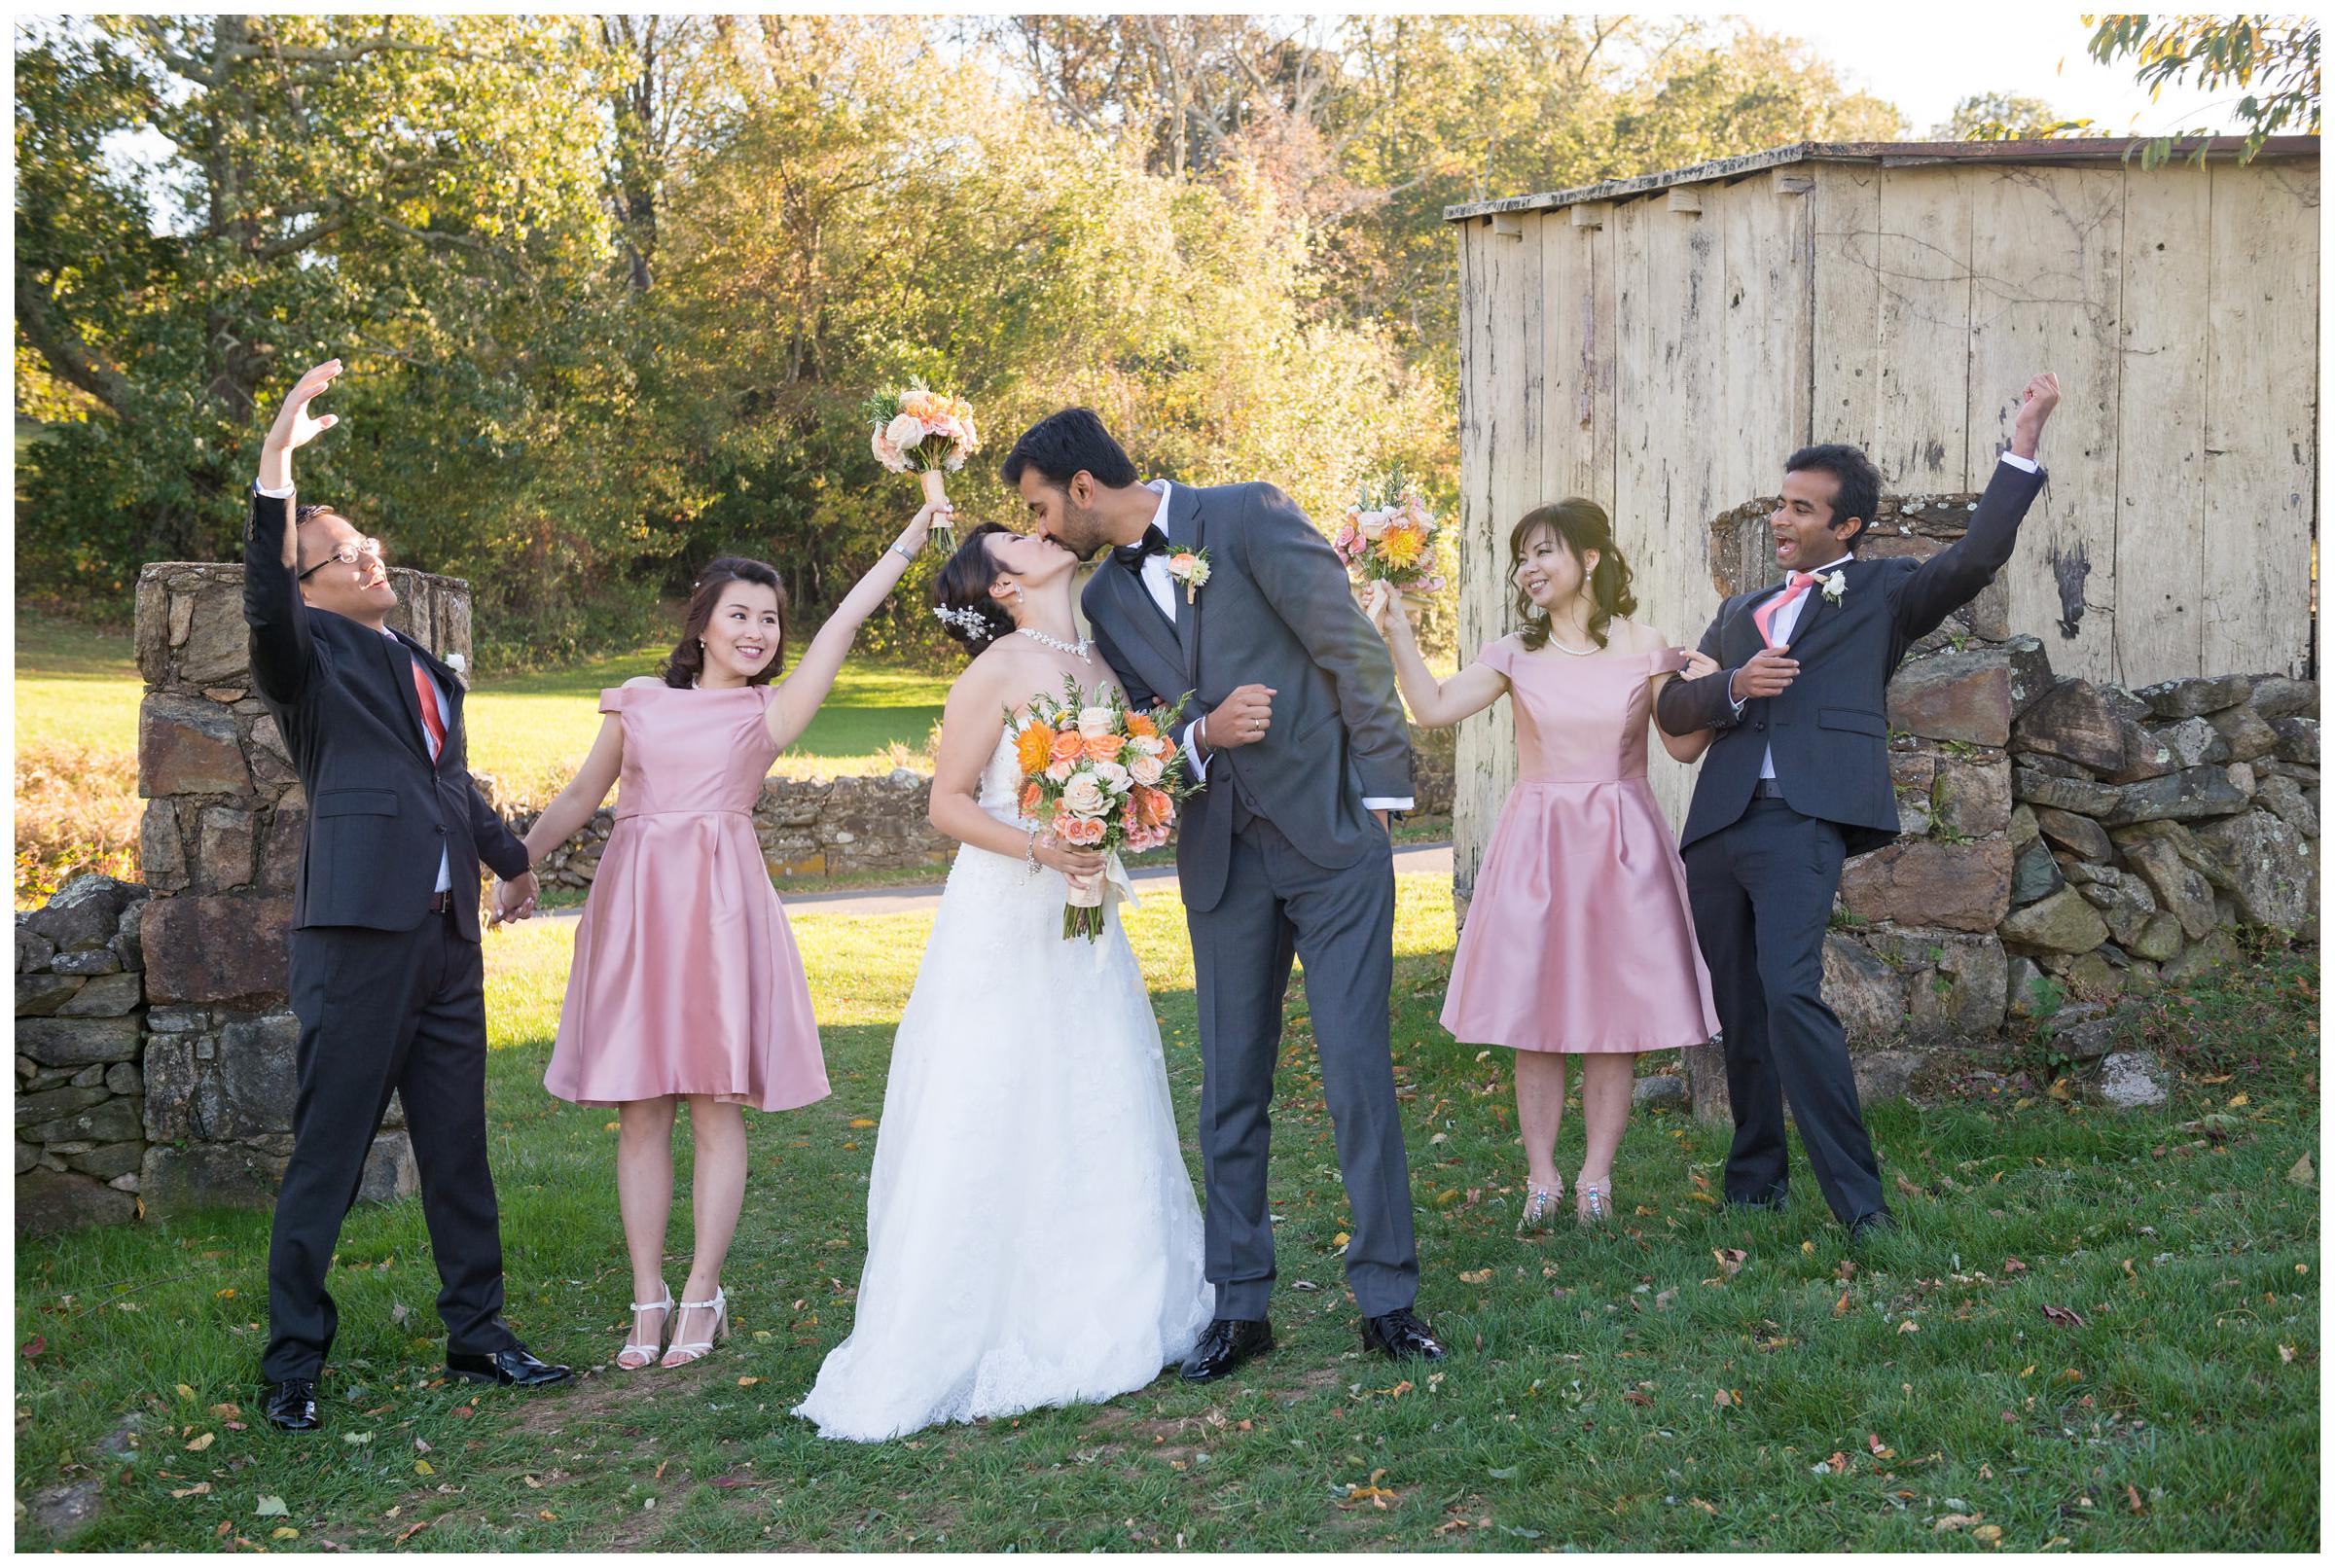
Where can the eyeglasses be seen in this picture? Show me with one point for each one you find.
(346, 555)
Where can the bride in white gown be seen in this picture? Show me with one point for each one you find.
(1032, 1235)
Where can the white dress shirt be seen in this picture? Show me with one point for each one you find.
(1781, 625)
(445, 709)
(1162, 586)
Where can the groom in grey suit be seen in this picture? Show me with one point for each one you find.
(1294, 729)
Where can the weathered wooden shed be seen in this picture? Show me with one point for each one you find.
(1661, 344)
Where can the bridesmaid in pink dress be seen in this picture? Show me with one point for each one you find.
(1578, 942)
(685, 982)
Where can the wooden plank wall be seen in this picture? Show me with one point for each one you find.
(1662, 361)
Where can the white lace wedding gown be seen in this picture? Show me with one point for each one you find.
(1032, 1235)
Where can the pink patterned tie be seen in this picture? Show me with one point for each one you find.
(1766, 613)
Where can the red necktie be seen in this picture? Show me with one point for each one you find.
(429, 710)
(1766, 613)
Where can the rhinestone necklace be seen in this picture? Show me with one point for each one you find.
(1077, 650)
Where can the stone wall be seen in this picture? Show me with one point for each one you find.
(81, 1010)
(842, 826)
(2065, 844)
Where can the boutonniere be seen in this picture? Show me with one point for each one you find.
(1836, 587)
(1189, 567)
(458, 664)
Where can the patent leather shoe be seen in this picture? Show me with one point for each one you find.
(513, 1367)
(1224, 1345)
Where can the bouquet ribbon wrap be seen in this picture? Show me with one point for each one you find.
(1085, 911)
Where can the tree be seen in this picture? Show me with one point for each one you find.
(2004, 117)
(2275, 57)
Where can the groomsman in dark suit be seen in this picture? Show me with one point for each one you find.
(1798, 780)
(386, 977)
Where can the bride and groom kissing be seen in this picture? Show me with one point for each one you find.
(1033, 1233)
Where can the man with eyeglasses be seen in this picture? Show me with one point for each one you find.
(386, 974)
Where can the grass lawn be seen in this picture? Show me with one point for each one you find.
(2096, 1331)
(77, 694)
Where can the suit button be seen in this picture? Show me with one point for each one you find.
(441, 827)
(1756, 724)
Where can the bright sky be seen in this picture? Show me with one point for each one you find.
(1925, 58)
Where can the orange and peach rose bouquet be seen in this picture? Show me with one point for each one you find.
(923, 432)
(1100, 775)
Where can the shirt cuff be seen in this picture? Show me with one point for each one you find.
(1385, 804)
(2017, 461)
(1200, 763)
(285, 494)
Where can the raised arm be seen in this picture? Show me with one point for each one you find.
(282, 655)
(1689, 747)
(1300, 576)
(574, 806)
(1955, 574)
(971, 720)
(1436, 704)
(798, 696)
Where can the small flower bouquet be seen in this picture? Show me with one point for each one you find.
(1101, 776)
(922, 432)
(1389, 537)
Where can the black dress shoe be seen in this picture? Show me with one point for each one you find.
(513, 1367)
(1403, 1334)
(291, 1405)
(1867, 1226)
(1226, 1343)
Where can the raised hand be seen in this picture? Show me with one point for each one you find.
(1239, 719)
(933, 514)
(1766, 674)
(2040, 396)
(294, 428)
(1383, 603)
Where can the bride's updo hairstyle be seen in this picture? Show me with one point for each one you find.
(963, 598)
(687, 661)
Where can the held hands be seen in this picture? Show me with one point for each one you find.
(1239, 719)
(515, 900)
(1766, 674)
(1697, 666)
(2035, 402)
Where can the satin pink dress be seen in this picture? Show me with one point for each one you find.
(1578, 937)
(685, 979)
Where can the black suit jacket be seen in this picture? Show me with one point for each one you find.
(379, 811)
(1829, 729)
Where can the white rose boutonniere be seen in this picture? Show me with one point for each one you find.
(459, 666)
(1836, 587)
(1189, 567)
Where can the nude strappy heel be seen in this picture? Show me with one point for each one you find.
(698, 1350)
(648, 1353)
(1539, 1203)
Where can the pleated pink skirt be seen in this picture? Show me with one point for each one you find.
(685, 979)
(1578, 936)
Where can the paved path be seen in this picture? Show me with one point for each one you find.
(926, 897)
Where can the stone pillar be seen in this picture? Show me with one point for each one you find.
(81, 1133)
(219, 850)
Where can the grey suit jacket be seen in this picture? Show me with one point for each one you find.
(1276, 609)
(1829, 729)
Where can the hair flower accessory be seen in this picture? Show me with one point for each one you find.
(972, 623)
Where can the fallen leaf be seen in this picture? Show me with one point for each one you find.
(40, 1342)
(1879, 1450)
(2236, 1100)
(1909, 1326)
(1705, 1506)
(270, 1507)
(227, 1413)
(2131, 1498)
(200, 1488)
(610, 1126)
(1906, 1187)
(748, 1382)
(1840, 1309)
(283, 1532)
(1991, 1534)
(2065, 1317)
(2012, 1265)
(1474, 1276)
(2286, 1353)
(408, 1532)
(1838, 1464)
(1731, 1260)
(1340, 1239)
(203, 1442)
(1720, 1399)
(1808, 1247)
(1847, 1272)
(1956, 1521)
(2300, 1173)
(423, 1467)
(1664, 1299)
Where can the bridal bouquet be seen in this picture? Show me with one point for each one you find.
(922, 432)
(1099, 775)
(1389, 537)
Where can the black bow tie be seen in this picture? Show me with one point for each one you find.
(1130, 556)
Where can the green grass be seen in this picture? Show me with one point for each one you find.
(1579, 1407)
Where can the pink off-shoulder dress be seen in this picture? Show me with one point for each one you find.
(1578, 937)
(685, 979)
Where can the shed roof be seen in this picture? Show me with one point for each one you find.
(1896, 155)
